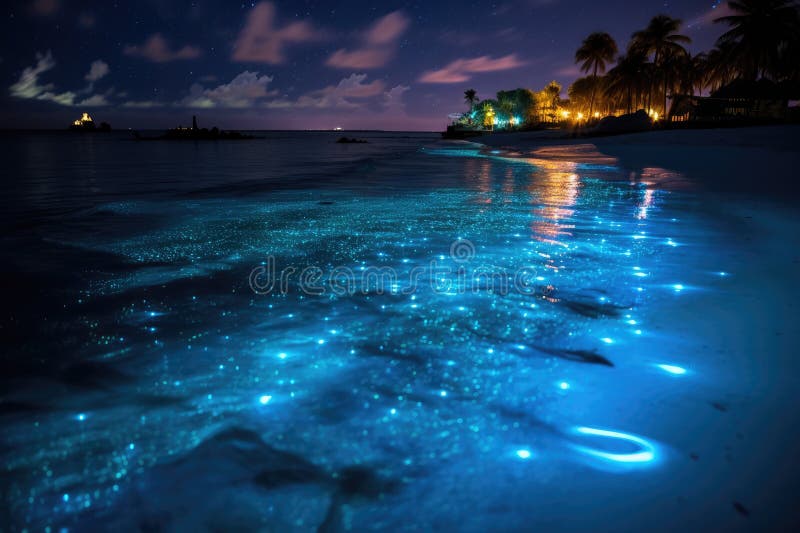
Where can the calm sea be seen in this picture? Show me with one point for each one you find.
(290, 334)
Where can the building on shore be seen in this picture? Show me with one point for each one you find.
(739, 100)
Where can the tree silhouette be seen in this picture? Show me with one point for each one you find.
(470, 96)
(660, 38)
(596, 50)
(763, 37)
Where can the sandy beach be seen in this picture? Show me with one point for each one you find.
(742, 160)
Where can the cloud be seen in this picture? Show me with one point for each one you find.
(157, 50)
(387, 29)
(261, 42)
(45, 8)
(359, 59)
(96, 100)
(393, 98)
(142, 104)
(28, 84)
(29, 87)
(66, 98)
(351, 92)
(245, 90)
(378, 44)
(346, 94)
(569, 71)
(97, 70)
(462, 70)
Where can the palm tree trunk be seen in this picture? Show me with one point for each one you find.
(594, 86)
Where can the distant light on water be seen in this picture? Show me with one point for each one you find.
(673, 369)
(563, 385)
(265, 399)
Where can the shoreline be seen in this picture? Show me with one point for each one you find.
(760, 160)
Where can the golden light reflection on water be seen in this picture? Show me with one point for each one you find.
(555, 184)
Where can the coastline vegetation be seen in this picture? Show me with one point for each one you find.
(755, 58)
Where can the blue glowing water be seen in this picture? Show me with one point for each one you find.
(146, 385)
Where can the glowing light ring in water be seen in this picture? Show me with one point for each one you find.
(646, 454)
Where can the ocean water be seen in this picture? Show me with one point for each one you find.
(289, 334)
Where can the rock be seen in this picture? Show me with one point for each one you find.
(630, 123)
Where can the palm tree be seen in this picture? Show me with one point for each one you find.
(720, 68)
(697, 73)
(470, 97)
(660, 37)
(674, 64)
(760, 34)
(596, 50)
(506, 105)
(627, 78)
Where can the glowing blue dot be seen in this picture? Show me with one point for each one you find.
(321, 341)
(131, 446)
(81, 417)
(673, 369)
(632, 322)
(563, 385)
(722, 274)
(607, 340)
(65, 497)
(282, 355)
(640, 274)
(393, 411)
(522, 453)
(443, 393)
(678, 287)
(264, 400)
(490, 350)
(638, 332)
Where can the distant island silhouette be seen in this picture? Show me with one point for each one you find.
(86, 123)
(194, 134)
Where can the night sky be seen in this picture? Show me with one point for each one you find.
(300, 64)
